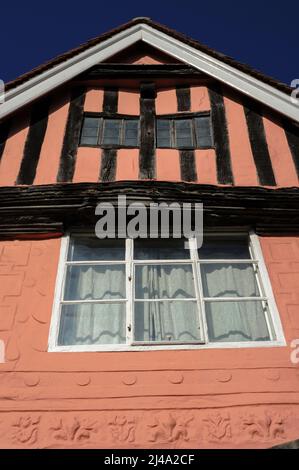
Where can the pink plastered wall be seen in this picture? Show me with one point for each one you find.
(142, 53)
(217, 398)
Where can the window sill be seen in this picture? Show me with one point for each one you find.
(170, 347)
(109, 147)
(119, 147)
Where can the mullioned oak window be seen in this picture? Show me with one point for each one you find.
(176, 132)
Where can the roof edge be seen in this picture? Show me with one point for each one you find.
(180, 36)
(252, 84)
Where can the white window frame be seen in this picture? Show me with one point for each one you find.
(262, 278)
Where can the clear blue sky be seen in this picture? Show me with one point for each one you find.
(261, 33)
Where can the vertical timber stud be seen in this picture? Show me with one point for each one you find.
(4, 132)
(109, 156)
(258, 142)
(292, 133)
(221, 138)
(71, 136)
(183, 98)
(187, 164)
(36, 134)
(110, 101)
(187, 157)
(108, 165)
(147, 163)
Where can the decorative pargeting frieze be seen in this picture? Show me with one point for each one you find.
(259, 426)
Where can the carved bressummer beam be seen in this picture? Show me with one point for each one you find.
(50, 209)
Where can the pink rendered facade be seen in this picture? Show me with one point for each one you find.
(199, 398)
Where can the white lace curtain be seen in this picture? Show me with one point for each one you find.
(94, 323)
(233, 321)
(174, 319)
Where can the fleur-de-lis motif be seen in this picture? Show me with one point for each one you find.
(169, 428)
(218, 427)
(123, 428)
(25, 429)
(73, 431)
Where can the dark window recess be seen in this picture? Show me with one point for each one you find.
(203, 131)
(183, 133)
(164, 133)
(106, 132)
(90, 131)
(190, 133)
(111, 132)
(131, 130)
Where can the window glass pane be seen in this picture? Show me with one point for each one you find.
(90, 131)
(164, 282)
(229, 280)
(94, 249)
(203, 132)
(92, 324)
(164, 133)
(166, 321)
(217, 248)
(131, 133)
(183, 132)
(88, 282)
(160, 249)
(236, 321)
(91, 122)
(89, 140)
(111, 132)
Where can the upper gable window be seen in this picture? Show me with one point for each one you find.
(192, 132)
(107, 132)
(184, 133)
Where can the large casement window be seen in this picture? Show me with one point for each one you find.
(158, 294)
(181, 132)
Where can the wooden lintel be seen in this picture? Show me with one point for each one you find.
(51, 208)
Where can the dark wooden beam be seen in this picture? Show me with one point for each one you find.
(258, 142)
(292, 134)
(50, 208)
(221, 138)
(108, 165)
(141, 71)
(147, 163)
(4, 132)
(130, 116)
(183, 96)
(187, 164)
(110, 103)
(184, 115)
(72, 136)
(34, 142)
(108, 161)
